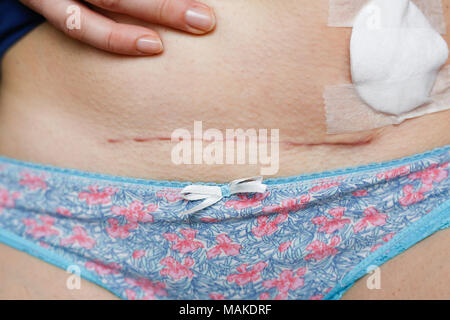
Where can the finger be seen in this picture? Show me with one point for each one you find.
(81, 23)
(187, 15)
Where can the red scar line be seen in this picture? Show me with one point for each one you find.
(114, 140)
(151, 139)
(287, 143)
(138, 139)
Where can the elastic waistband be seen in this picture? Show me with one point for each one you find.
(437, 155)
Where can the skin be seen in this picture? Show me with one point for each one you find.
(106, 34)
(421, 272)
(264, 66)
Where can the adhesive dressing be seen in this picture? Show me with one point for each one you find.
(395, 56)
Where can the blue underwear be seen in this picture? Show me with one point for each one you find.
(16, 21)
(305, 237)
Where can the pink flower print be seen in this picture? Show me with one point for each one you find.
(371, 217)
(394, 173)
(324, 186)
(410, 196)
(175, 269)
(386, 238)
(317, 297)
(288, 280)
(266, 227)
(360, 193)
(7, 199)
(122, 232)
(217, 296)
(332, 225)
(137, 254)
(225, 245)
(43, 244)
(284, 246)
(41, 230)
(337, 212)
(102, 268)
(94, 196)
(246, 202)
(64, 212)
(321, 250)
(79, 236)
(130, 294)
(286, 206)
(304, 199)
(209, 220)
(33, 182)
(188, 244)
(151, 289)
(171, 195)
(246, 275)
(432, 174)
(135, 212)
(376, 247)
(264, 296)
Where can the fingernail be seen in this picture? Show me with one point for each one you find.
(201, 18)
(149, 45)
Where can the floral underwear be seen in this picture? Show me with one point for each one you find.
(305, 237)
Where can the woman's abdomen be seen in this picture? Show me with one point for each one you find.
(264, 67)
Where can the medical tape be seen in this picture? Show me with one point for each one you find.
(346, 112)
(342, 13)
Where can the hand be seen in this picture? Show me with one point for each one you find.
(106, 34)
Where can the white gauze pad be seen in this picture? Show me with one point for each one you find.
(395, 58)
(395, 55)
